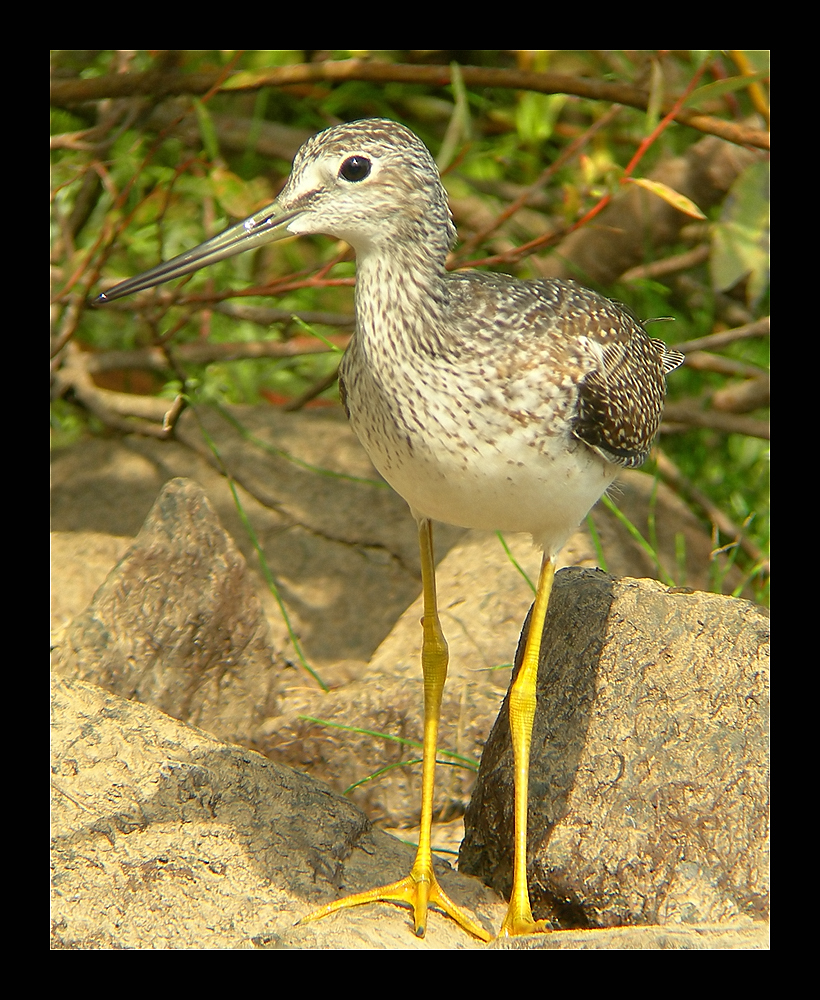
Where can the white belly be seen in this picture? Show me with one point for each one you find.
(544, 491)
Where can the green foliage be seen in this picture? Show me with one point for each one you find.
(536, 116)
(740, 239)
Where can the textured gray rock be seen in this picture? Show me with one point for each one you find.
(649, 765)
(177, 623)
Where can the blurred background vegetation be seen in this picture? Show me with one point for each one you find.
(642, 174)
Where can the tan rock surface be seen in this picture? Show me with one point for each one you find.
(344, 554)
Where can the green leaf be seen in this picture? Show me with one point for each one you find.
(740, 239)
(207, 130)
(720, 87)
(536, 115)
(239, 198)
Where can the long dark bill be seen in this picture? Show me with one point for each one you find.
(267, 226)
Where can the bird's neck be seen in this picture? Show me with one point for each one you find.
(401, 296)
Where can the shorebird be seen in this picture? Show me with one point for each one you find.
(485, 401)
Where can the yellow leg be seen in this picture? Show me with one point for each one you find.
(421, 888)
(522, 712)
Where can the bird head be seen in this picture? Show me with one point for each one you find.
(370, 182)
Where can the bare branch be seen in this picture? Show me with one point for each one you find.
(689, 412)
(162, 84)
(760, 328)
(113, 408)
(205, 352)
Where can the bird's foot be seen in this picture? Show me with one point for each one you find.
(519, 920)
(417, 893)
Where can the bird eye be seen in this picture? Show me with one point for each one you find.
(355, 168)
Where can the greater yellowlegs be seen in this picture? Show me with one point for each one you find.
(484, 401)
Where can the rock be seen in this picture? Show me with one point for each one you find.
(347, 567)
(80, 562)
(177, 624)
(649, 771)
(164, 837)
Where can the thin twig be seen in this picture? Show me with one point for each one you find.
(669, 265)
(690, 414)
(311, 392)
(714, 341)
(705, 362)
(205, 352)
(120, 410)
